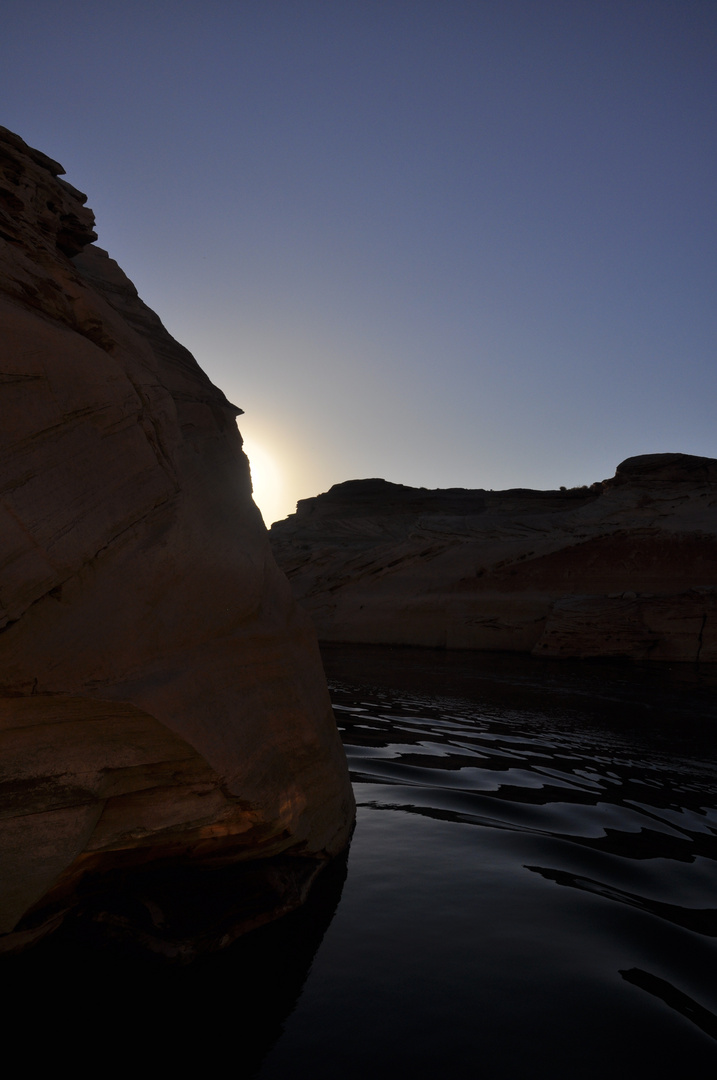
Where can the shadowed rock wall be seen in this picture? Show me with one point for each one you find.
(161, 696)
(627, 567)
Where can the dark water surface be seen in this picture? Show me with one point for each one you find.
(532, 885)
(531, 891)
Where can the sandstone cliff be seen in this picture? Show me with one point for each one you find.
(161, 696)
(627, 567)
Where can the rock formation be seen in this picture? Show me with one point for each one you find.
(161, 696)
(627, 567)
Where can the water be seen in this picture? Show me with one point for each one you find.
(531, 891)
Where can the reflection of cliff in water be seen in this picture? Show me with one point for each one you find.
(698, 920)
(585, 755)
(229, 1005)
(624, 691)
(674, 998)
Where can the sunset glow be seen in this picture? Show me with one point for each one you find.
(266, 481)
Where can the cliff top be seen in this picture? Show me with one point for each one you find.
(376, 496)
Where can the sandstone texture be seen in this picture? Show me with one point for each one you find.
(161, 695)
(627, 567)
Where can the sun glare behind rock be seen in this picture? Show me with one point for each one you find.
(266, 481)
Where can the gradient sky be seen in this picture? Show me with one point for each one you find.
(446, 243)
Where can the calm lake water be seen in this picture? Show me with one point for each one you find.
(531, 891)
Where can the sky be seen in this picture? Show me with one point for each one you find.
(447, 243)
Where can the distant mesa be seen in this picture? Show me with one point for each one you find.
(625, 567)
(162, 701)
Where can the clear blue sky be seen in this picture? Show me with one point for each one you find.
(446, 243)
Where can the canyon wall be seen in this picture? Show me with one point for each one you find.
(162, 699)
(627, 567)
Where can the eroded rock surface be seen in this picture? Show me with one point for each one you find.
(627, 567)
(162, 697)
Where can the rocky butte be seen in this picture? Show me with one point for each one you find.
(162, 700)
(626, 567)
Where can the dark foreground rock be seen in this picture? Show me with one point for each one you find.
(161, 696)
(627, 567)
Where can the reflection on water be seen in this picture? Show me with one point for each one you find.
(676, 1000)
(131, 1008)
(532, 886)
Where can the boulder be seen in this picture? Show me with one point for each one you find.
(625, 567)
(162, 700)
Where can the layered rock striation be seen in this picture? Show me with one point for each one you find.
(162, 699)
(627, 567)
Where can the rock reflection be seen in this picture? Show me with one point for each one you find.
(681, 1003)
(699, 920)
(556, 774)
(228, 1006)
